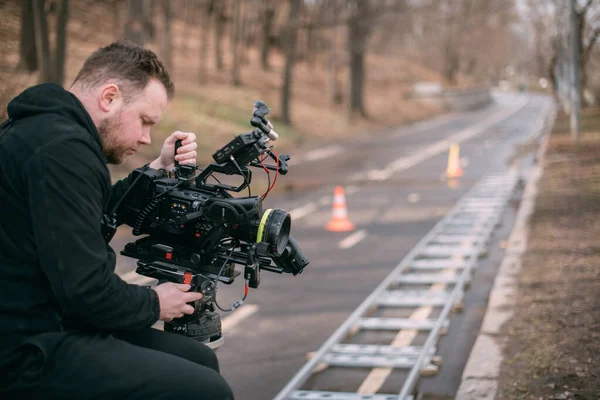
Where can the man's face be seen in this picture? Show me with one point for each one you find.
(128, 127)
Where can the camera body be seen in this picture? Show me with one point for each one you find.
(197, 231)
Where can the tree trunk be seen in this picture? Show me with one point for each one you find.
(41, 41)
(28, 56)
(457, 24)
(309, 49)
(166, 42)
(451, 60)
(116, 12)
(60, 51)
(204, 36)
(236, 33)
(135, 25)
(332, 72)
(579, 31)
(289, 42)
(148, 20)
(357, 78)
(267, 30)
(219, 30)
(358, 33)
(245, 38)
(333, 89)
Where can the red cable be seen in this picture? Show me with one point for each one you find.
(276, 170)
(276, 173)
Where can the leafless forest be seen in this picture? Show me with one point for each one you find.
(346, 56)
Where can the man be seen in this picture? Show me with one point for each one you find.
(70, 328)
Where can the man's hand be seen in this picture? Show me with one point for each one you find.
(173, 299)
(186, 154)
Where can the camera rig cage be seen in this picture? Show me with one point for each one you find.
(197, 231)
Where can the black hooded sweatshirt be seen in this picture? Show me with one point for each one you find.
(54, 261)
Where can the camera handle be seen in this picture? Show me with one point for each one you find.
(252, 269)
(182, 171)
(177, 146)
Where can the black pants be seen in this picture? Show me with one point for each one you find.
(147, 364)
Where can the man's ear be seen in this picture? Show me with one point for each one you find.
(110, 98)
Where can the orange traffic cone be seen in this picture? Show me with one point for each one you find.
(454, 170)
(339, 221)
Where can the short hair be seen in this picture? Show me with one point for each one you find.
(127, 64)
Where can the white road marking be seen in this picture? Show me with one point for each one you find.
(352, 189)
(230, 321)
(318, 154)
(303, 211)
(325, 200)
(413, 197)
(441, 146)
(353, 239)
(421, 126)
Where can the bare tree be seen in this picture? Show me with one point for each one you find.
(290, 36)
(28, 56)
(587, 29)
(42, 43)
(459, 16)
(166, 40)
(208, 7)
(236, 34)
(267, 32)
(358, 35)
(220, 20)
(332, 68)
(135, 25)
(51, 64)
(115, 6)
(60, 50)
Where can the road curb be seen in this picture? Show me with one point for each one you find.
(480, 377)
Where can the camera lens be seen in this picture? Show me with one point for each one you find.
(274, 229)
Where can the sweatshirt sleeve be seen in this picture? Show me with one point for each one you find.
(118, 190)
(65, 193)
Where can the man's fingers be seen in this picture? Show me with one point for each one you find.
(184, 287)
(185, 137)
(192, 296)
(187, 156)
(187, 148)
(187, 309)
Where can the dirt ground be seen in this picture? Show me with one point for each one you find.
(553, 350)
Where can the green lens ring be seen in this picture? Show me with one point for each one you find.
(274, 229)
(261, 225)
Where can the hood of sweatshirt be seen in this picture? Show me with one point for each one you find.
(51, 98)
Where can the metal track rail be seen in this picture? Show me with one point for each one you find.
(444, 258)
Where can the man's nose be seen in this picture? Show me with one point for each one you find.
(145, 139)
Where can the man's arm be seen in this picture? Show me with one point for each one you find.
(117, 191)
(65, 184)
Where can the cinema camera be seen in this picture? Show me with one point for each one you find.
(197, 231)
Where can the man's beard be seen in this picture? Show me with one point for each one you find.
(108, 129)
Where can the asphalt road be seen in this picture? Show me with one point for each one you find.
(395, 192)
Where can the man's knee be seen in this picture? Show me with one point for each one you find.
(172, 343)
(198, 385)
(203, 355)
